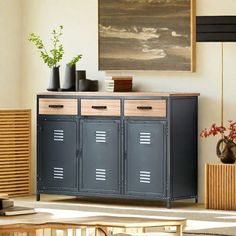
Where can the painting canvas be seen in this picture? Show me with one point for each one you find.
(146, 35)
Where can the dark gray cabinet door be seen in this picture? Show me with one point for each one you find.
(145, 157)
(100, 166)
(57, 159)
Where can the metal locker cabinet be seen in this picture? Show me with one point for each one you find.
(145, 158)
(100, 156)
(58, 164)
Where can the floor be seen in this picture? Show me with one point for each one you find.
(57, 200)
(200, 220)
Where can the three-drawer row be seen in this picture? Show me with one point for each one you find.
(102, 107)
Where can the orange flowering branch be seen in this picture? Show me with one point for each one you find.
(228, 132)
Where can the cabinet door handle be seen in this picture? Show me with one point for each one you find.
(55, 106)
(99, 107)
(144, 107)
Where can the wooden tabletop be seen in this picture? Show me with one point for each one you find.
(106, 221)
(120, 94)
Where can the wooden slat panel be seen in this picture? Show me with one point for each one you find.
(10, 161)
(13, 186)
(14, 157)
(15, 132)
(14, 165)
(14, 145)
(11, 135)
(15, 114)
(206, 187)
(11, 191)
(11, 183)
(15, 149)
(12, 153)
(14, 140)
(220, 180)
(15, 189)
(8, 175)
(18, 147)
(13, 178)
(13, 172)
(15, 127)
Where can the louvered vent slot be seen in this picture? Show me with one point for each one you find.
(145, 138)
(145, 177)
(101, 174)
(58, 135)
(101, 136)
(58, 173)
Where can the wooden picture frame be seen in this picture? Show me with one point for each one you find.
(147, 35)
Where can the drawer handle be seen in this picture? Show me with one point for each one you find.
(144, 107)
(99, 107)
(55, 106)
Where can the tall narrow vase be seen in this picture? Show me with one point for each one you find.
(54, 83)
(69, 81)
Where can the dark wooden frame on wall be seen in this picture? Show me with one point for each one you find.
(192, 21)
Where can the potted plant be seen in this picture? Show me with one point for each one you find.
(70, 74)
(226, 147)
(51, 57)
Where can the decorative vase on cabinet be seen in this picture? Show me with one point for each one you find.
(54, 82)
(69, 81)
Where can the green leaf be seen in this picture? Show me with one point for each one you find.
(75, 59)
(54, 55)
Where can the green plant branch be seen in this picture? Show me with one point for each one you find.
(75, 59)
(52, 57)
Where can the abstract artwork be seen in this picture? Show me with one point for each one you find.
(146, 35)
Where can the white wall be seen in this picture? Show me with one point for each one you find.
(80, 19)
(10, 53)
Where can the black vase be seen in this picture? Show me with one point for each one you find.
(69, 81)
(54, 83)
(80, 75)
(226, 151)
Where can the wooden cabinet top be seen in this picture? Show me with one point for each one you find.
(120, 94)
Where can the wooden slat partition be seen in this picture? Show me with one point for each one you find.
(15, 151)
(220, 186)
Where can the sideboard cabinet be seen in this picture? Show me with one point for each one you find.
(120, 145)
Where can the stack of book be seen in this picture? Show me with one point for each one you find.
(7, 207)
(119, 84)
(5, 201)
(109, 85)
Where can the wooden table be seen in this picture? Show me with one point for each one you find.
(104, 225)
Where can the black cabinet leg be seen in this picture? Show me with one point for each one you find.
(168, 204)
(37, 197)
(196, 199)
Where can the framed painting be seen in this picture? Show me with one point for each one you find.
(147, 35)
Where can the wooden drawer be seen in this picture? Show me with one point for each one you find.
(100, 107)
(58, 106)
(155, 108)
